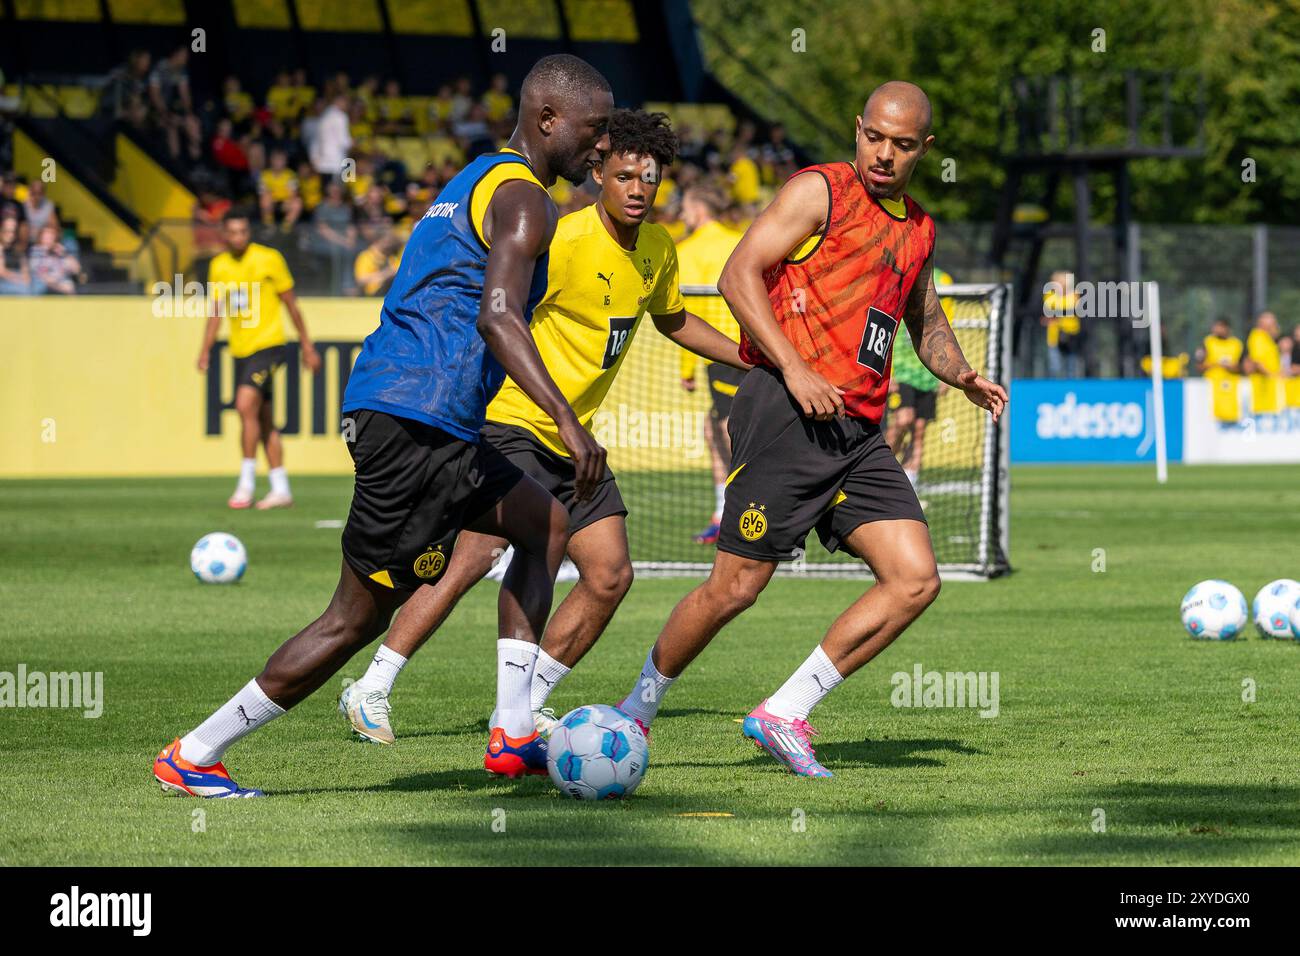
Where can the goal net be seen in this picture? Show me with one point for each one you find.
(655, 431)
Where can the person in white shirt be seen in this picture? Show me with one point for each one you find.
(333, 138)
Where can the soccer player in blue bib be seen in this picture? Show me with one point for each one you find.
(453, 325)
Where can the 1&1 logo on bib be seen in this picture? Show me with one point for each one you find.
(877, 340)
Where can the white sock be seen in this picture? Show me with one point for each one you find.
(515, 663)
(642, 702)
(815, 678)
(236, 718)
(279, 481)
(719, 498)
(247, 479)
(546, 676)
(911, 475)
(383, 670)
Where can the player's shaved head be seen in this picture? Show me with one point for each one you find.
(893, 135)
(903, 101)
(559, 78)
(564, 109)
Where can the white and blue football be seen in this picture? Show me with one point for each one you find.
(1272, 608)
(219, 558)
(1214, 611)
(597, 753)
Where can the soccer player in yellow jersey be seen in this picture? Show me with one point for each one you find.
(247, 284)
(700, 257)
(607, 268)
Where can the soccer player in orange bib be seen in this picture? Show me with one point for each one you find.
(819, 284)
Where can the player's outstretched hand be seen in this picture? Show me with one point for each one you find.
(818, 398)
(983, 392)
(310, 357)
(588, 457)
(203, 361)
(688, 384)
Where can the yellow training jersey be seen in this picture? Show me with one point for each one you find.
(596, 293)
(247, 290)
(1264, 351)
(280, 184)
(1218, 351)
(700, 257)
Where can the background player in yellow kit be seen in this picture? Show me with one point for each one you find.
(701, 256)
(607, 269)
(247, 283)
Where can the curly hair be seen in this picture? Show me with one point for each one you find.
(638, 133)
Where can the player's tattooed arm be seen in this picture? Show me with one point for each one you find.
(519, 224)
(695, 335)
(932, 335)
(937, 348)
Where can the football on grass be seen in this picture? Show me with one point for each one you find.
(597, 753)
(218, 558)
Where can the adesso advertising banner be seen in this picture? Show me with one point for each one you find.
(1092, 420)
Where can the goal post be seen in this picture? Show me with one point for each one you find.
(656, 428)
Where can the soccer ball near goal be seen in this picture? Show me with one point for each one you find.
(1214, 611)
(1274, 607)
(597, 753)
(218, 558)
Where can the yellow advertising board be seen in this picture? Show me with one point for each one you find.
(109, 385)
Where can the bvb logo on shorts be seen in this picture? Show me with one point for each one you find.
(430, 564)
(753, 523)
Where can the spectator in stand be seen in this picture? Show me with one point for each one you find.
(744, 177)
(15, 275)
(173, 109)
(462, 98)
(229, 153)
(394, 112)
(53, 268)
(334, 234)
(372, 215)
(125, 95)
(499, 106)
(362, 178)
(11, 207)
(209, 209)
(236, 104)
(473, 133)
(277, 193)
(440, 109)
(37, 207)
(377, 264)
(333, 139)
(282, 98)
(776, 157)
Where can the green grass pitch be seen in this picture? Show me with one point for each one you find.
(1105, 705)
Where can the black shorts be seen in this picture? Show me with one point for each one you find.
(723, 383)
(793, 474)
(416, 487)
(258, 370)
(922, 401)
(556, 474)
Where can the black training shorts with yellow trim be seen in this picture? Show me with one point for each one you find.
(724, 381)
(258, 370)
(792, 474)
(556, 474)
(416, 488)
